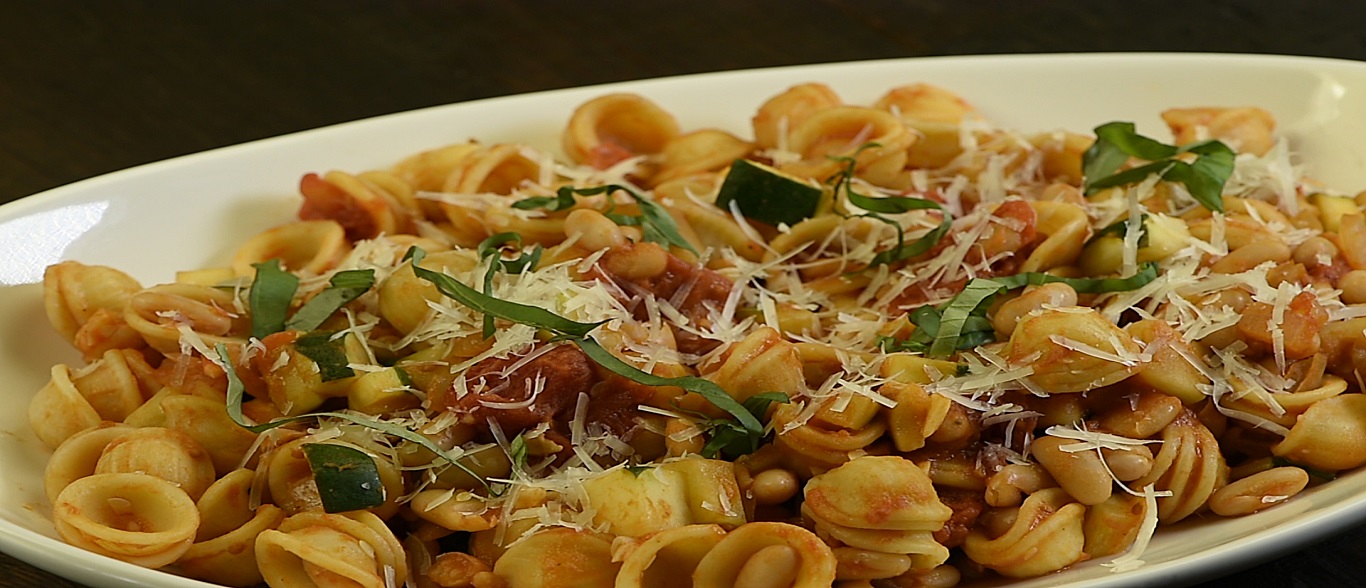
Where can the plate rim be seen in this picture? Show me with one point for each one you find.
(1238, 553)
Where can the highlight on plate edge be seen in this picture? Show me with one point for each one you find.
(884, 345)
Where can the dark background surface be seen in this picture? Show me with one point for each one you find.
(90, 88)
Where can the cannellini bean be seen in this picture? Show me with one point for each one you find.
(774, 566)
(1081, 473)
(775, 486)
(1259, 491)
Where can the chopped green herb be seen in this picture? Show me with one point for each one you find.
(476, 300)
(271, 294)
(705, 388)
(517, 452)
(578, 333)
(731, 440)
(562, 200)
(1120, 227)
(1116, 142)
(961, 323)
(344, 287)
(347, 478)
(236, 394)
(973, 300)
(655, 223)
(876, 207)
(492, 249)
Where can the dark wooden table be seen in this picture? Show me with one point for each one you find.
(89, 88)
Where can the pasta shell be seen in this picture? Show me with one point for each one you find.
(558, 558)
(356, 546)
(137, 518)
(666, 559)
(1047, 535)
(1073, 349)
(73, 292)
(308, 247)
(767, 549)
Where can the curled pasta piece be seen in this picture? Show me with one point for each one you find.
(140, 519)
(697, 152)
(1168, 372)
(366, 206)
(316, 549)
(1065, 227)
(916, 416)
(59, 410)
(712, 226)
(1046, 535)
(207, 422)
(471, 206)
(666, 559)
(841, 131)
(1330, 435)
(225, 505)
(778, 115)
(429, 171)
(558, 557)
(159, 313)
(881, 504)
(817, 446)
(1189, 465)
(77, 456)
(164, 453)
(457, 512)
(308, 247)
(1246, 129)
(761, 362)
(935, 115)
(403, 297)
(74, 292)
(614, 127)
(295, 383)
(1113, 525)
(230, 559)
(671, 495)
(767, 554)
(1073, 349)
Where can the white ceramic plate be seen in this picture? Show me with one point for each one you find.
(190, 212)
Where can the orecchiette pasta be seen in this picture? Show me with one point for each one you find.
(866, 345)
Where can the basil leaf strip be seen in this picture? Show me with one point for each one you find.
(476, 300)
(955, 315)
(1120, 227)
(237, 391)
(517, 452)
(344, 287)
(347, 478)
(272, 291)
(492, 248)
(705, 388)
(1116, 142)
(876, 207)
(578, 333)
(654, 221)
(731, 441)
(562, 200)
(962, 324)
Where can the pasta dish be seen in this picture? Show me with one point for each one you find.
(875, 345)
